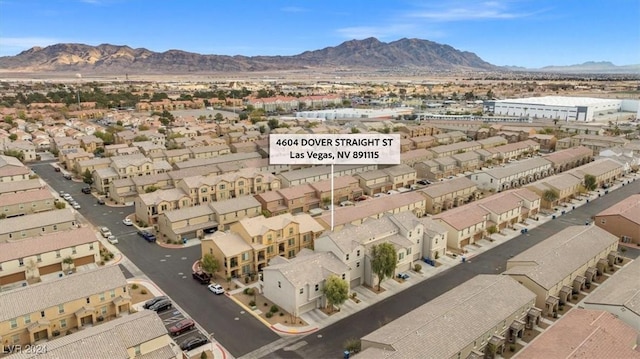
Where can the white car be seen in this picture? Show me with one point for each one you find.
(127, 222)
(75, 205)
(216, 288)
(105, 232)
(112, 239)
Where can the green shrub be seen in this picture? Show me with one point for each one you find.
(282, 314)
(352, 345)
(417, 267)
(252, 303)
(269, 315)
(134, 286)
(274, 309)
(246, 291)
(143, 291)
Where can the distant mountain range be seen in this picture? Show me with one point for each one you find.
(602, 67)
(368, 54)
(355, 54)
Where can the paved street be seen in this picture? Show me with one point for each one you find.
(328, 342)
(170, 269)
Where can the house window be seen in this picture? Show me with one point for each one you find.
(245, 256)
(102, 297)
(292, 242)
(290, 231)
(358, 253)
(603, 221)
(279, 284)
(55, 227)
(39, 258)
(358, 264)
(103, 310)
(408, 251)
(343, 276)
(347, 256)
(88, 300)
(63, 323)
(14, 323)
(91, 246)
(301, 290)
(137, 350)
(400, 256)
(60, 308)
(57, 254)
(73, 250)
(112, 293)
(21, 262)
(221, 186)
(42, 314)
(317, 287)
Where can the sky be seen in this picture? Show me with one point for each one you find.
(528, 33)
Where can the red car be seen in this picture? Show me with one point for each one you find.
(182, 326)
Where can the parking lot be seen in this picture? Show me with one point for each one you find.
(171, 317)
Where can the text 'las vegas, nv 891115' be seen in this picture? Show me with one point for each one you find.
(338, 149)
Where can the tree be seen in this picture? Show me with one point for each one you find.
(492, 230)
(150, 189)
(14, 153)
(272, 123)
(383, 261)
(143, 128)
(86, 177)
(336, 290)
(68, 261)
(218, 117)
(590, 182)
(550, 196)
(13, 137)
(209, 264)
(140, 138)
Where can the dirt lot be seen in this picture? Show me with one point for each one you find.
(137, 295)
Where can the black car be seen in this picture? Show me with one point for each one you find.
(153, 301)
(193, 343)
(86, 190)
(149, 237)
(161, 305)
(424, 182)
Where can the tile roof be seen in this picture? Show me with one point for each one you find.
(168, 195)
(46, 243)
(308, 268)
(560, 181)
(628, 208)
(442, 188)
(338, 182)
(584, 334)
(37, 297)
(550, 261)
(463, 217)
(518, 167)
(256, 226)
(35, 220)
(187, 213)
(303, 173)
(230, 244)
(622, 289)
(596, 168)
(294, 192)
(9, 199)
(444, 326)
(17, 186)
(569, 154)
(234, 204)
(109, 340)
(373, 207)
(352, 236)
(231, 157)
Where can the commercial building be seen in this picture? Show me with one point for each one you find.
(563, 264)
(477, 318)
(45, 310)
(583, 109)
(622, 219)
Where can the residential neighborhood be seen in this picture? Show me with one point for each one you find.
(178, 229)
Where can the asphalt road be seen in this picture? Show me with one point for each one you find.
(329, 342)
(170, 269)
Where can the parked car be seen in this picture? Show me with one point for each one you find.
(216, 288)
(161, 305)
(202, 277)
(67, 176)
(57, 169)
(75, 205)
(86, 190)
(378, 195)
(404, 276)
(149, 237)
(67, 196)
(182, 326)
(100, 201)
(193, 343)
(361, 198)
(346, 203)
(153, 301)
(127, 222)
(105, 232)
(112, 239)
(393, 191)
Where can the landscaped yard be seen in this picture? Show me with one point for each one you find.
(263, 306)
(507, 351)
(139, 294)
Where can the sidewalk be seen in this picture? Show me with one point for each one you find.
(318, 319)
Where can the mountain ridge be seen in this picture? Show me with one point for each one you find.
(369, 53)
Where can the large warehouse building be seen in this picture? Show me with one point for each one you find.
(583, 109)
